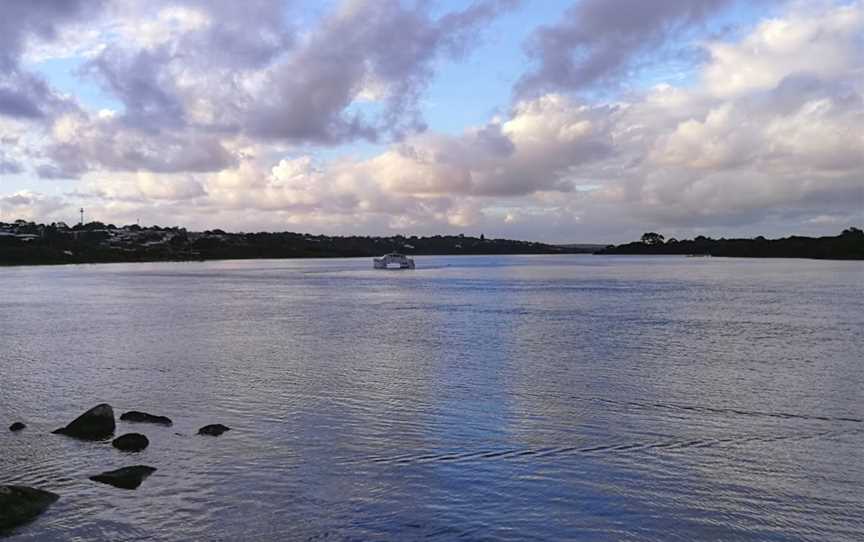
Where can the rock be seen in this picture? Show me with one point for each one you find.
(131, 442)
(143, 417)
(95, 424)
(17, 426)
(125, 478)
(20, 504)
(213, 430)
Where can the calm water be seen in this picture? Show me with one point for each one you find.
(476, 398)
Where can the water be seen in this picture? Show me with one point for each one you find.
(475, 398)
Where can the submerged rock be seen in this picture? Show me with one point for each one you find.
(95, 424)
(213, 430)
(125, 478)
(131, 442)
(143, 417)
(17, 426)
(20, 504)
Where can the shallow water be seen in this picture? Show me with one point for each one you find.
(475, 398)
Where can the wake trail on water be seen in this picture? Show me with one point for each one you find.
(671, 444)
(727, 411)
(679, 443)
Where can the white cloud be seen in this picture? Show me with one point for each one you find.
(143, 186)
(816, 39)
(767, 135)
(29, 205)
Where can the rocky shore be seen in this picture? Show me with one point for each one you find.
(20, 505)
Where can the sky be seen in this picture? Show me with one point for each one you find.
(549, 120)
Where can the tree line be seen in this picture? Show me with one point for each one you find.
(849, 245)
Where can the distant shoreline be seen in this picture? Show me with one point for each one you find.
(849, 245)
(28, 243)
(4, 264)
(240, 259)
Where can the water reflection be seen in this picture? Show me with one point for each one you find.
(484, 398)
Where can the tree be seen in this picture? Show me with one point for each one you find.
(179, 240)
(652, 238)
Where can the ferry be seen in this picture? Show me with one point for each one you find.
(394, 260)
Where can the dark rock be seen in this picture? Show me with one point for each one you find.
(143, 417)
(20, 504)
(125, 478)
(214, 430)
(17, 426)
(131, 442)
(95, 424)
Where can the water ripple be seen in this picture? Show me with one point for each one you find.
(477, 398)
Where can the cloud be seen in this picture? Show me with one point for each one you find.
(143, 187)
(30, 205)
(811, 42)
(380, 45)
(20, 96)
(193, 79)
(51, 171)
(533, 150)
(810, 130)
(23, 94)
(39, 18)
(597, 40)
(9, 167)
(197, 64)
(427, 180)
(765, 135)
(80, 142)
(679, 157)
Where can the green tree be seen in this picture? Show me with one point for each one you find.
(652, 238)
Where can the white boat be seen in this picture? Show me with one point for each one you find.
(394, 260)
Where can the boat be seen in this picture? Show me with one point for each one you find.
(394, 260)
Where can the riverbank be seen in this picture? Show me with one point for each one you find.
(27, 243)
(849, 245)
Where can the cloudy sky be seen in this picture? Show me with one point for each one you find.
(551, 120)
